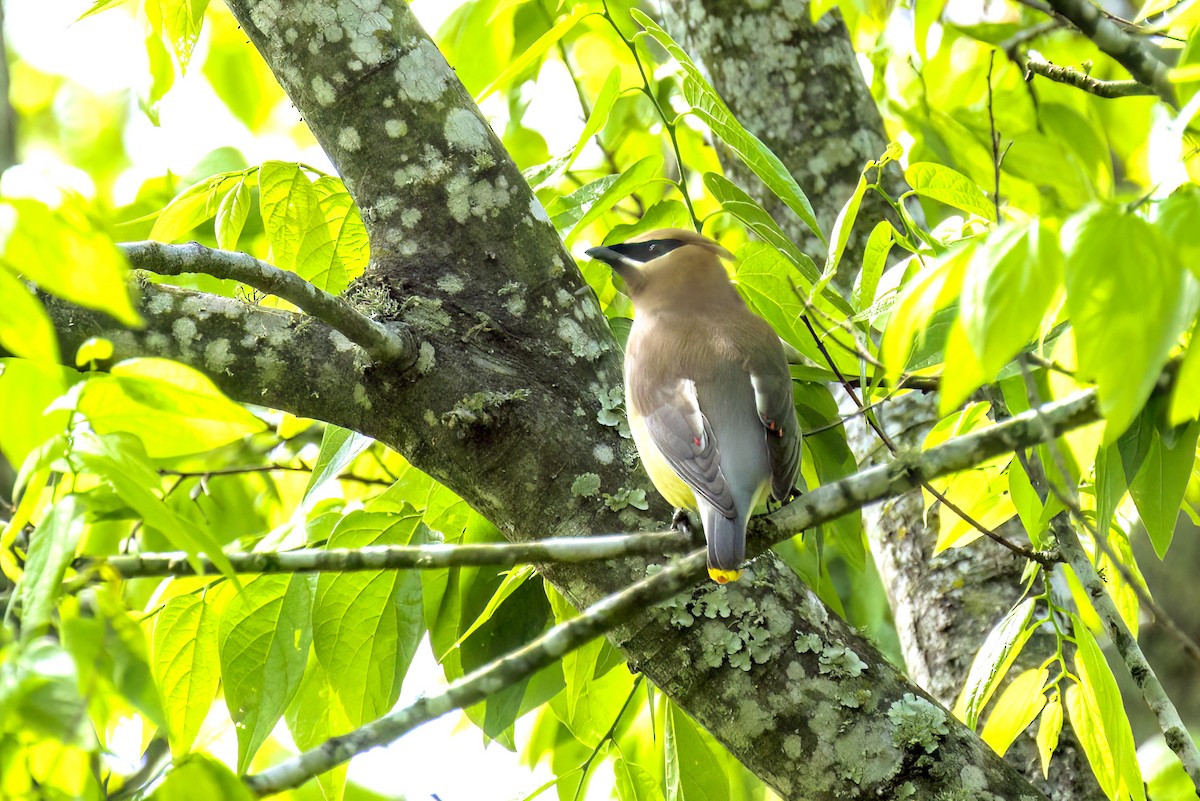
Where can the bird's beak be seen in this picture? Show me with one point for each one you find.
(611, 257)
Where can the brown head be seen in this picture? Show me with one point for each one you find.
(669, 266)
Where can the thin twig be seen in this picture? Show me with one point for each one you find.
(268, 468)
(393, 557)
(391, 344)
(1036, 65)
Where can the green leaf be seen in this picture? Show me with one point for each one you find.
(335, 251)
(191, 207)
(693, 773)
(367, 625)
(875, 254)
(1025, 499)
(264, 635)
(201, 778)
(948, 186)
(316, 715)
(186, 666)
(26, 389)
(339, 447)
(635, 783)
(933, 289)
(1100, 721)
(51, 550)
(1049, 727)
(513, 579)
(842, 227)
(643, 172)
(1159, 485)
(1185, 397)
(290, 209)
(173, 409)
(178, 23)
(25, 328)
(119, 460)
(991, 664)
(601, 108)
(1011, 280)
(734, 200)
(536, 50)
(1125, 296)
(67, 254)
(1021, 702)
(708, 106)
(232, 213)
(1110, 485)
(566, 210)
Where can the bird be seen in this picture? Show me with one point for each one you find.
(708, 392)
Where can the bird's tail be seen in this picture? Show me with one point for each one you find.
(726, 544)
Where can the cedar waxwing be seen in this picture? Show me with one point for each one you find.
(707, 388)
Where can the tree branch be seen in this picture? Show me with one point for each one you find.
(478, 685)
(1035, 64)
(1174, 731)
(394, 557)
(385, 344)
(822, 505)
(1138, 56)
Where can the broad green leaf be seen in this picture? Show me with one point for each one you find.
(1021, 702)
(708, 106)
(95, 349)
(290, 209)
(186, 665)
(178, 23)
(669, 213)
(264, 636)
(566, 210)
(367, 625)
(601, 108)
(118, 460)
(982, 494)
(1049, 727)
(335, 253)
(1029, 506)
(513, 579)
(1185, 397)
(1158, 487)
(1096, 706)
(51, 550)
(948, 186)
(316, 715)
(191, 207)
(991, 664)
(643, 172)
(172, 408)
(1110, 485)
(1178, 219)
(1011, 280)
(25, 328)
(200, 778)
(27, 388)
(39, 693)
(692, 770)
(339, 447)
(232, 213)
(875, 254)
(635, 783)
(842, 227)
(735, 201)
(67, 254)
(1124, 295)
(536, 50)
(934, 288)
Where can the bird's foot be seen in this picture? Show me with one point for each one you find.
(681, 522)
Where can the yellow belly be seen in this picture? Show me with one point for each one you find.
(666, 481)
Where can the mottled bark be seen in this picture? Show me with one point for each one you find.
(797, 86)
(945, 605)
(512, 404)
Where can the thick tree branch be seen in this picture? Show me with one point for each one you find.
(822, 505)
(1035, 64)
(478, 685)
(393, 557)
(385, 344)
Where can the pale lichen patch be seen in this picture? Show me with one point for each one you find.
(348, 139)
(450, 283)
(421, 73)
(217, 356)
(361, 398)
(917, 723)
(323, 91)
(395, 128)
(580, 343)
(426, 358)
(465, 131)
(586, 485)
(603, 454)
(184, 330)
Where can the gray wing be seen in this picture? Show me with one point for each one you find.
(684, 437)
(777, 410)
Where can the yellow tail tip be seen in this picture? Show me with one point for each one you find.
(723, 576)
